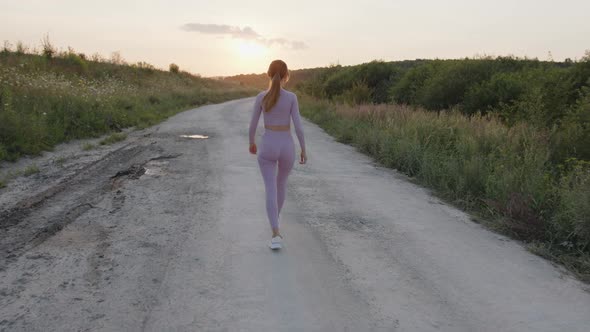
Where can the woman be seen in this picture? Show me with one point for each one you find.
(277, 148)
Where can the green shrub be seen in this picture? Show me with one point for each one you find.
(359, 93)
(339, 82)
(76, 62)
(48, 50)
(88, 146)
(21, 49)
(174, 68)
(113, 138)
(6, 48)
(30, 170)
(448, 87)
(145, 67)
(3, 152)
(407, 89)
(572, 137)
(501, 89)
(377, 76)
(570, 224)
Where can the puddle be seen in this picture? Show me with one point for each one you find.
(195, 136)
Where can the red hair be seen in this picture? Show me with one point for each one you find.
(277, 71)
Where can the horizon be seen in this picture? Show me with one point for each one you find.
(36, 51)
(213, 41)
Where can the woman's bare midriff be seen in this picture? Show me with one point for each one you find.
(277, 128)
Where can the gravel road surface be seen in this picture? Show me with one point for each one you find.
(169, 233)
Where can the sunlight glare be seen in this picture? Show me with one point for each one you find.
(250, 49)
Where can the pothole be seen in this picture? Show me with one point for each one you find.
(195, 136)
(152, 166)
(155, 168)
(134, 172)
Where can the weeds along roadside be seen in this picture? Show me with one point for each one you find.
(46, 99)
(504, 175)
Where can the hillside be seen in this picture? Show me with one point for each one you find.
(53, 97)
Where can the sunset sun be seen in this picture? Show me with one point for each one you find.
(250, 49)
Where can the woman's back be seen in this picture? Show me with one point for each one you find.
(286, 108)
(280, 114)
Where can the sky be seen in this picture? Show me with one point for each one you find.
(223, 37)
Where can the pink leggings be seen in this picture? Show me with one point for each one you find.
(277, 148)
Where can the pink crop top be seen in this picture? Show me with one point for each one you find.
(287, 108)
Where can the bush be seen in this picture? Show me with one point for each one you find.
(408, 88)
(571, 223)
(572, 137)
(117, 58)
(448, 87)
(359, 93)
(21, 49)
(487, 96)
(174, 68)
(3, 152)
(144, 66)
(6, 48)
(30, 170)
(377, 76)
(339, 82)
(76, 62)
(48, 48)
(88, 146)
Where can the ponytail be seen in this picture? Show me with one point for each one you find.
(277, 71)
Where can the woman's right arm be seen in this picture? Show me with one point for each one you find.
(255, 118)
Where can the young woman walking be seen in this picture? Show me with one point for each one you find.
(277, 147)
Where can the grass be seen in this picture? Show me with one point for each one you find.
(60, 161)
(7, 176)
(53, 97)
(503, 175)
(88, 146)
(2, 183)
(113, 138)
(30, 170)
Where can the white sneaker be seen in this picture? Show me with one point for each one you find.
(276, 243)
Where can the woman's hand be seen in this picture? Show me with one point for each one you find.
(303, 158)
(253, 148)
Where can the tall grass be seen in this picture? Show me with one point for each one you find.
(53, 97)
(500, 172)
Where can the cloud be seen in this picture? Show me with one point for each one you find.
(219, 29)
(246, 33)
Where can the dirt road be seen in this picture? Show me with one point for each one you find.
(167, 233)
